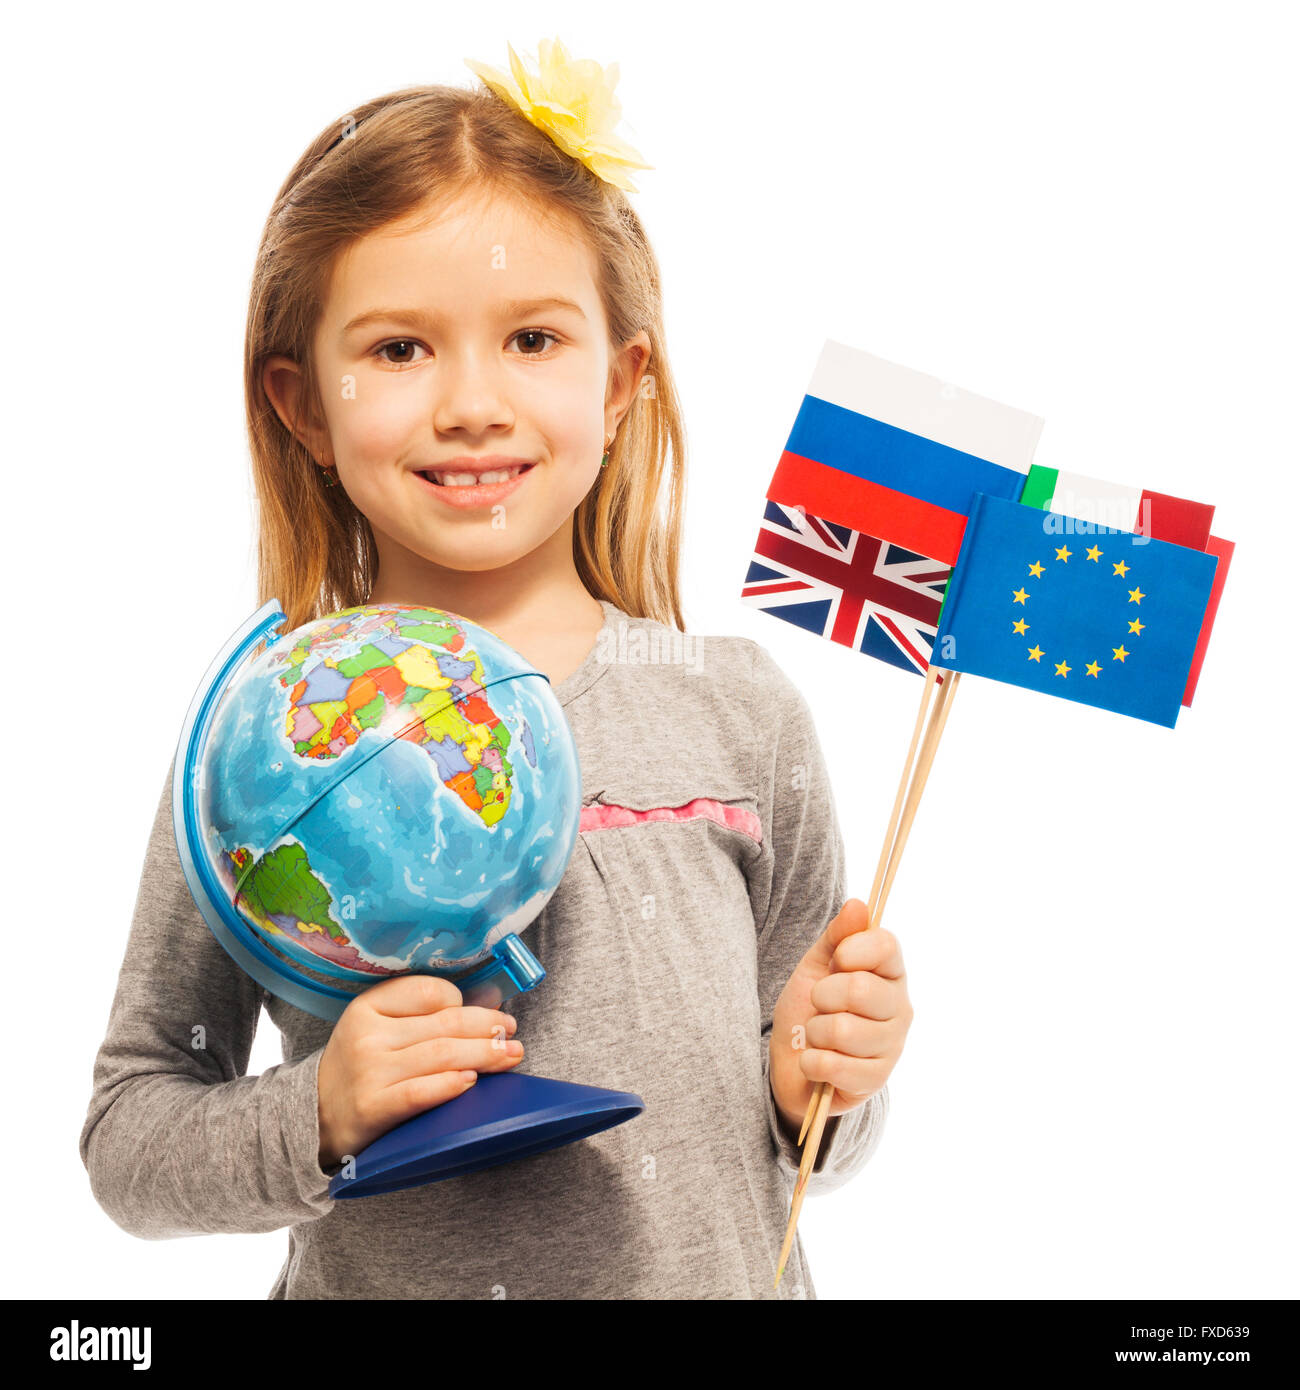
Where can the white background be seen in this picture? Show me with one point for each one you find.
(1084, 212)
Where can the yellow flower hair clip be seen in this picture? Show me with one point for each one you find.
(572, 101)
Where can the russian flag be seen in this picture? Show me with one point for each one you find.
(898, 454)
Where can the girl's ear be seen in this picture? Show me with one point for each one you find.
(282, 380)
(625, 379)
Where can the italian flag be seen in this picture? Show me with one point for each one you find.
(1143, 512)
(1135, 509)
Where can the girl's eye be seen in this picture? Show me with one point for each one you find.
(404, 361)
(534, 333)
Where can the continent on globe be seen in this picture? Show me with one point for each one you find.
(282, 894)
(437, 697)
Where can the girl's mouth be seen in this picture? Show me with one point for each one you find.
(450, 478)
(475, 493)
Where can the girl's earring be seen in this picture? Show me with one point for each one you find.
(331, 476)
(605, 459)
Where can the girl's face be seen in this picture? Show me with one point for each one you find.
(445, 339)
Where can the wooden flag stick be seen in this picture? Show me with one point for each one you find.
(819, 1105)
(801, 1182)
(886, 850)
(928, 749)
(931, 681)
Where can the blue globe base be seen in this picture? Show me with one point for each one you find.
(503, 1116)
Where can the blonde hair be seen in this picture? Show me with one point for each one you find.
(393, 156)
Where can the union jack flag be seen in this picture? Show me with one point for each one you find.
(846, 586)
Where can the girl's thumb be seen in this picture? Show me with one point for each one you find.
(852, 917)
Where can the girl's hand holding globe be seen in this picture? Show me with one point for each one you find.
(400, 1048)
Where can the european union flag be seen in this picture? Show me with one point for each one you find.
(1105, 617)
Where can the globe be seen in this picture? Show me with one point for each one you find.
(386, 790)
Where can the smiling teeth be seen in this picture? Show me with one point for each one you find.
(497, 475)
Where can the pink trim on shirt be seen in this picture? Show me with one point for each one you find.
(602, 816)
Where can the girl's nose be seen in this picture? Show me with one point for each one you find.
(470, 395)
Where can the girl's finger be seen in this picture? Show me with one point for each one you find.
(405, 995)
(848, 1033)
(855, 1076)
(877, 950)
(447, 1054)
(459, 1021)
(858, 992)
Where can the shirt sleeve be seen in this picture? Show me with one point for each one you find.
(797, 886)
(177, 1140)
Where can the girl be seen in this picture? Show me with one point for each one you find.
(459, 395)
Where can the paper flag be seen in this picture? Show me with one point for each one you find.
(848, 587)
(899, 455)
(1147, 513)
(1110, 619)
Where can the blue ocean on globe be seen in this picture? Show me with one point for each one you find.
(388, 789)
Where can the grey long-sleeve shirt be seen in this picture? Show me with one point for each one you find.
(666, 946)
